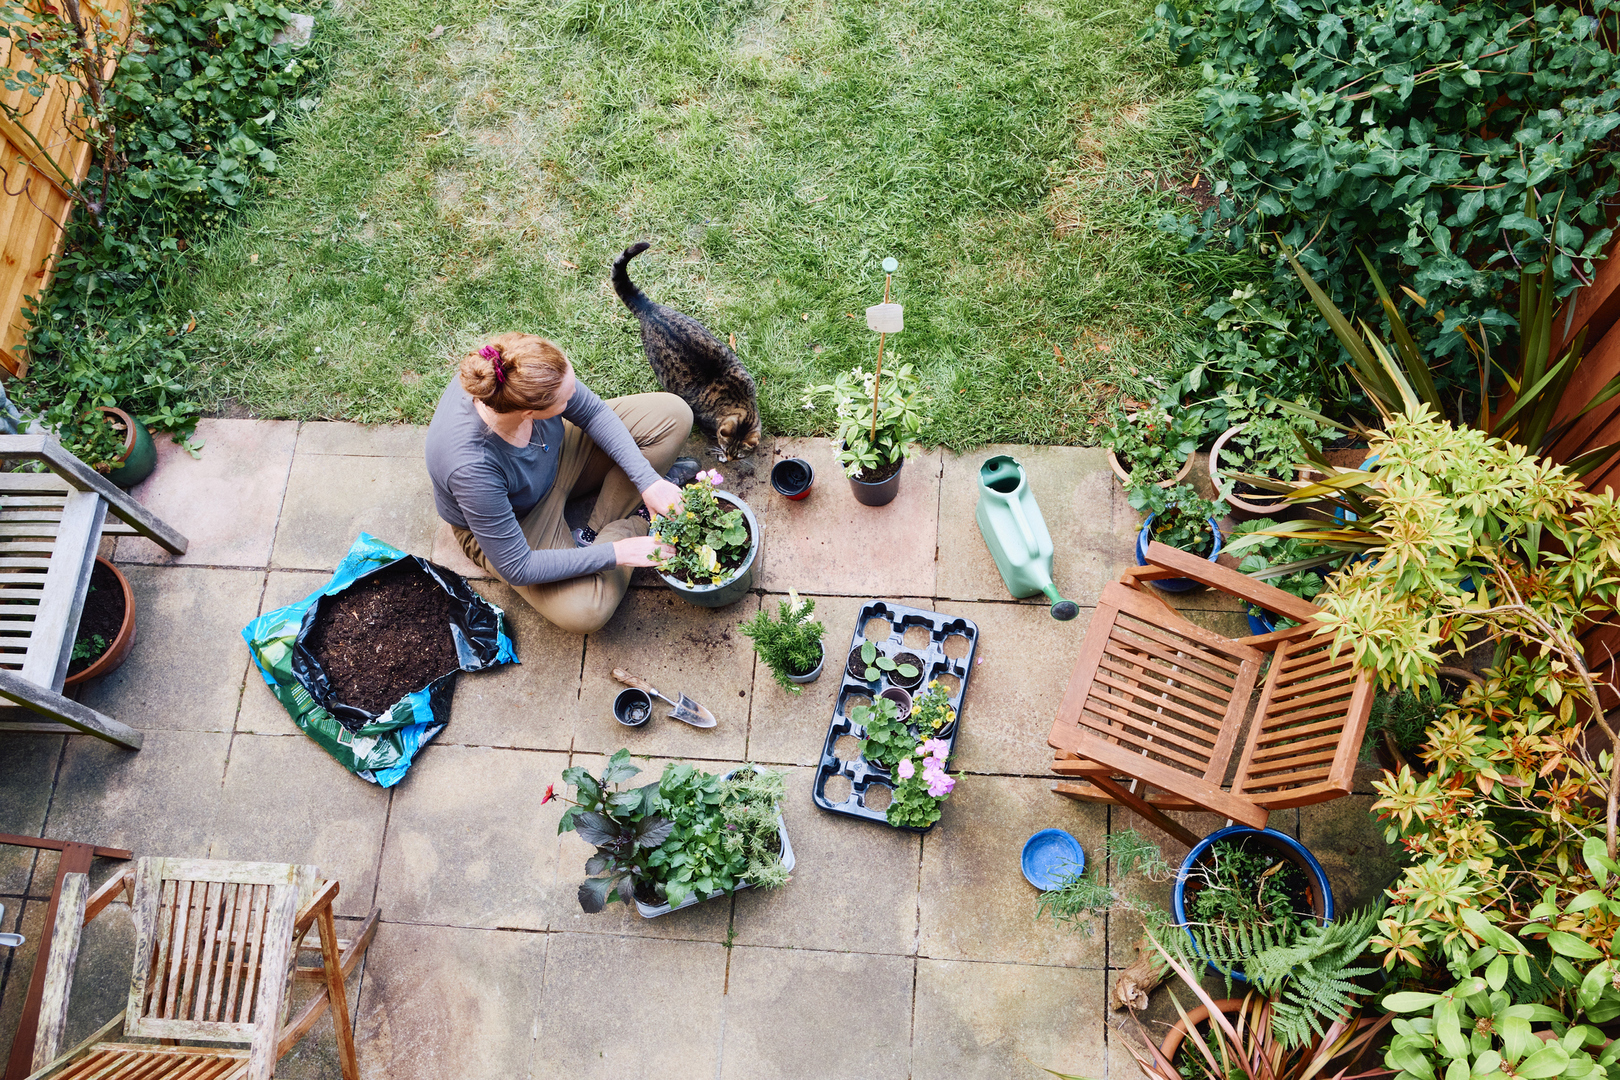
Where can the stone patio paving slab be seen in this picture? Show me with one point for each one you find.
(186, 670)
(679, 648)
(793, 1013)
(1004, 1021)
(974, 901)
(829, 543)
(27, 775)
(334, 438)
(1071, 485)
(617, 1007)
(1349, 843)
(449, 1003)
(790, 728)
(1019, 676)
(163, 799)
(530, 704)
(225, 502)
(260, 712)
(286, 800)
(332, 499)
(854, 886)
(469, 843)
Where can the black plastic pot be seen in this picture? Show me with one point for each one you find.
(792, 478)
(880, 493)
(897, 679)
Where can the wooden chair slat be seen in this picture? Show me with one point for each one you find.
(223, 937)
(1196, 738)
(1084, 739)
(1167, 665)
(1220, 668)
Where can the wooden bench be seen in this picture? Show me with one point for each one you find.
(51, 524)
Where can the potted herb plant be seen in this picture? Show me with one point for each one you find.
(1151, 445)
(1180, 517)
(790, 644)
(1265, 439)
(688, 837)
(876, 421)
(717, 541)
(106, 626)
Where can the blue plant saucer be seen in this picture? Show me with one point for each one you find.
(1051, 857)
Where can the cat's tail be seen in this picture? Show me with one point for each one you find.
(633, 297)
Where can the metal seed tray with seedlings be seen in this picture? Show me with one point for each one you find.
(941, 647)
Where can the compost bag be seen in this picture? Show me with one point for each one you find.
(374, 746)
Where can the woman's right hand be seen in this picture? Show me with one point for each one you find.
(639, 550)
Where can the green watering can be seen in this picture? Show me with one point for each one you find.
(1016, 533)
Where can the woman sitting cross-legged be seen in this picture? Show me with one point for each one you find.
(515, 437)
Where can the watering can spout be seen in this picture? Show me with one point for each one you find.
(1016, 534)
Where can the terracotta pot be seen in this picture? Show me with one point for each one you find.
(1254, 506)
(1178, 1032)
(1125, 477)
(122, 642)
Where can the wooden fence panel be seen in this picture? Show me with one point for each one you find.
(36, 205)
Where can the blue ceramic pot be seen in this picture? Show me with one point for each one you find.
(1175, 584)
(1319, 893)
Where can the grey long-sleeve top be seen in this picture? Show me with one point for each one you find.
(484, 484)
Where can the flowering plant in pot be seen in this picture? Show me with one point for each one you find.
(716, 540)
(875, 424)
(790, 644)
(1151, 445)
(922, 785)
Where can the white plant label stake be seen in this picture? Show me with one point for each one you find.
(886, 319)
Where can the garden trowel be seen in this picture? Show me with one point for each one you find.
(684, 709)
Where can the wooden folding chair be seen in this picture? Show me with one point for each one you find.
(50, 526)
(216, 946)
(1157, 702)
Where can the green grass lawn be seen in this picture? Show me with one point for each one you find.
(442, 188)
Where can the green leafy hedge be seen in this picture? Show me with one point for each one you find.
(1413, 130)
(195, 105)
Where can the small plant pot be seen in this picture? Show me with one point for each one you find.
(1245, 507)
(118, 649)
(1195, 1016)
(1318, 893)
(897, 679)
(632, 707)
(1125, 476)
(735, 587)
(814, 673)
(901, 699)
(792, 478)
(855, 667)
(1175, 584)
(880, 493)
(140, 454)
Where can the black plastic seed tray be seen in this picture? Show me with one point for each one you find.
(946, 635)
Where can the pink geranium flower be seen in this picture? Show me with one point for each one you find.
(939, 784)
(906, 770)
(936, 748)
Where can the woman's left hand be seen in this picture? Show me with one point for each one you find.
(661, 497)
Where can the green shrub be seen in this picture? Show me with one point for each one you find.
(195, 105)
(1412, 130)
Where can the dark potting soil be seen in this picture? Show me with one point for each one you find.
(877, 476)
(385, 636)
(103, 615)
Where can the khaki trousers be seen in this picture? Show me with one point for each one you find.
(659, 423)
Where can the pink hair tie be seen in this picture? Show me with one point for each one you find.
(493, 355)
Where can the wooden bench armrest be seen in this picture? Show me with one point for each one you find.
(1227, 580)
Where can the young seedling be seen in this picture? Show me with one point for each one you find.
(876, 665)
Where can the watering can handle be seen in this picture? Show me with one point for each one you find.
(1023, 524)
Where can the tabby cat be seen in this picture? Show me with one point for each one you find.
(695, 365)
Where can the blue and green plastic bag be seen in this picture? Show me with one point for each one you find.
(377, 747)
